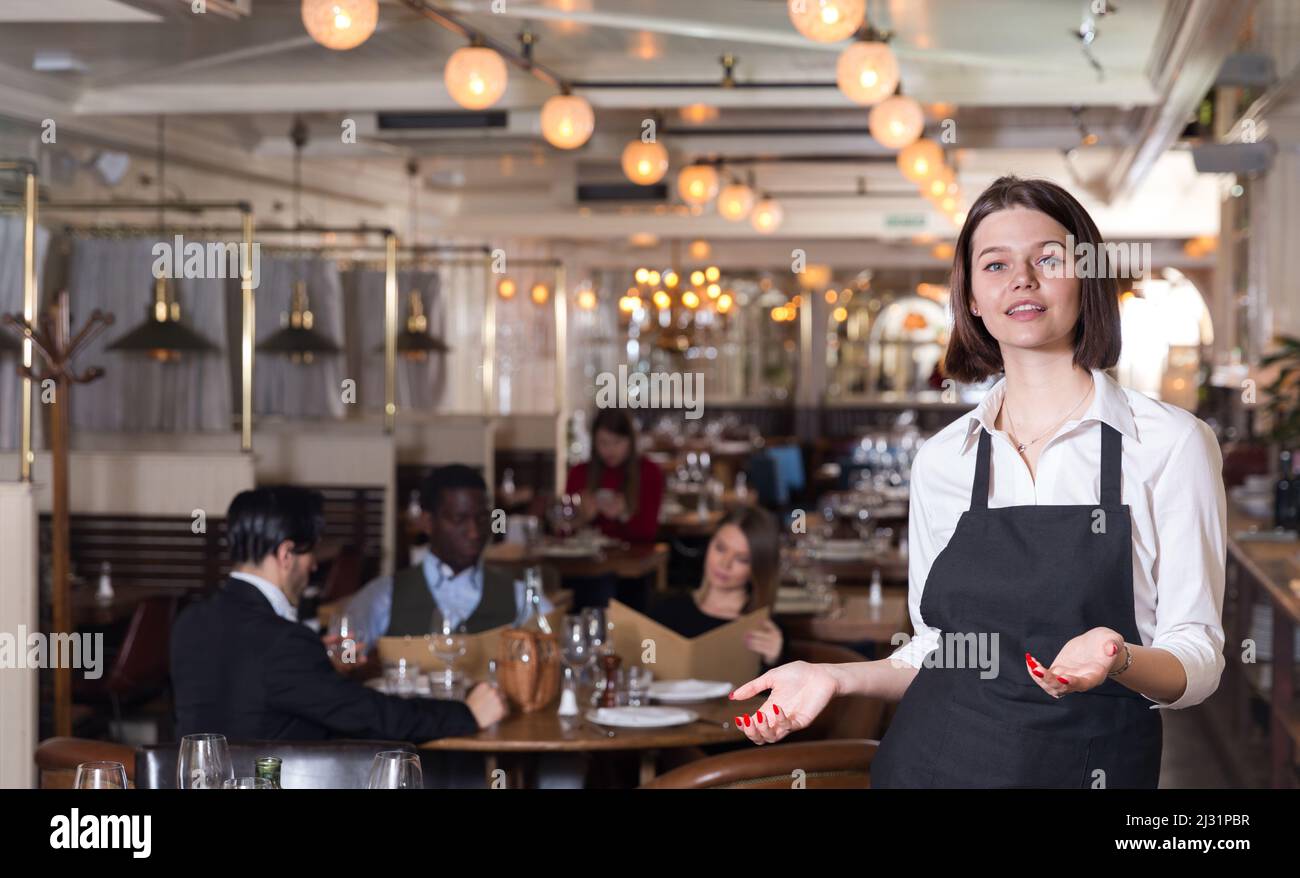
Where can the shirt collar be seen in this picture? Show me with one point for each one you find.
(436, 571)
(279, 601)
(1109, 405)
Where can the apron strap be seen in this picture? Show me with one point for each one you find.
(1111, 457)
(979, 492)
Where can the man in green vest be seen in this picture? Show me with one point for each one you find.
(451, 584)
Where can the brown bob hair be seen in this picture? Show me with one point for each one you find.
(764, 536)
(620, 423)
(973, 354)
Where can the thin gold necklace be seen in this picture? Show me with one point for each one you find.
(1021, 446)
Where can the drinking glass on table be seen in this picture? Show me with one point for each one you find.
(449, 645)
(396, 770)
(203, 762)
(597, 628)
(248, 783)
(575, 645)
(343, 626)
(100, 776)
(639, 678)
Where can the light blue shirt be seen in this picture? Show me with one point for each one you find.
(456, 594)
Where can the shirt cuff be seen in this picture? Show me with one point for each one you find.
(913, 652)
(1202, 676)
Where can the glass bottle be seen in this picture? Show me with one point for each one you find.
(1284, 501)
(268, 767)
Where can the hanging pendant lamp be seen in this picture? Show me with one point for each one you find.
(297, 337)
(162, 336)
(413, 340)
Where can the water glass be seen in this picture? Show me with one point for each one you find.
(396, 770)
(248, 783)
(203, 762)
(639, 678)
(100, 776)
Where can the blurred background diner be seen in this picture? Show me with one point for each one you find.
(665, 281)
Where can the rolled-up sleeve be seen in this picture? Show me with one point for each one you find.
(1192, 533)
(922, 549)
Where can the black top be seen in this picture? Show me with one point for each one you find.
(681, 613)
(241, 671)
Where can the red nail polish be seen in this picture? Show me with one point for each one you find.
(1029, 660)
(1063, 680)
(746, 720)
(739, 722)
(759, 717)
(1036, 672)
(776, 710)
(731, 695)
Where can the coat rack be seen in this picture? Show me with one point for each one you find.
(57, 346)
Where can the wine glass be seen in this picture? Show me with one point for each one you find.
(575, 645)
(449, 645)
(597, 628)
(248, 783)
(100, 776)
(203, 762)
(396, 770)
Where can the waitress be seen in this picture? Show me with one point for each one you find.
(1070, 528)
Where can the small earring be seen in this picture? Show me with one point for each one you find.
(975, 311)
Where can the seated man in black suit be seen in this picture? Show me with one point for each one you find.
(242, 666)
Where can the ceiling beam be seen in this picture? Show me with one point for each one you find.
(1199, 35)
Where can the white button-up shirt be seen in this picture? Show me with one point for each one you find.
(1172, 482)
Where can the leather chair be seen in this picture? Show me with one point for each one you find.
(307, 765)
(853, 716)
(57, 759)
(842, 765)
(141, 668)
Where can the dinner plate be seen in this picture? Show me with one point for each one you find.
(680, 691)
(567, 550)
(642, 717)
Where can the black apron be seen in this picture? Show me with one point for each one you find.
(1036, 576)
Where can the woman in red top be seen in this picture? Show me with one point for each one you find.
(621, 490)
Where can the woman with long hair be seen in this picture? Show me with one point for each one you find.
(741, 571)
(621, 489)
(1067, 537)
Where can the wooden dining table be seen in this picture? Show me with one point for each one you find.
(545, 731)
(627, 561)
(855, 621)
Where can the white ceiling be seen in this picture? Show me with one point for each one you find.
(1009, 72)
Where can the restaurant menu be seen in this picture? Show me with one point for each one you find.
(720, 654)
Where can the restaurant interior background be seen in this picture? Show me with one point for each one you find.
(663, 185)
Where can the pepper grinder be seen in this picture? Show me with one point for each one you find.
(609, 664)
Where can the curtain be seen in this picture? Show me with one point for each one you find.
(300, 390)
(137, 393)
(11, 302)
(463, 285)
(421, 385)
(525, 361)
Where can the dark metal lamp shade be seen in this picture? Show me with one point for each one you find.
(290, 340)
(163, 340)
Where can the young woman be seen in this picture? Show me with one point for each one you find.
(740, 576)
(621, 490)
(1072, 530)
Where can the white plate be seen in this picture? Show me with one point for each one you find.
(567, 550)
(683, 691)
(642, 717)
